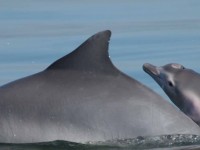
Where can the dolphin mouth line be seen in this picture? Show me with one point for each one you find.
(151, 70)
(147, 70)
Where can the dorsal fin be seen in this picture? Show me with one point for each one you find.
(90, 56)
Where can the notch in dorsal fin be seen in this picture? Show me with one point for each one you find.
(91, 56)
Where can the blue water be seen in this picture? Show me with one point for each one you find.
(34, 33)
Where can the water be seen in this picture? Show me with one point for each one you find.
(34, 33)
(170, 142)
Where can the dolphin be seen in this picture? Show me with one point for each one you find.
(83, 97)
(181, 85)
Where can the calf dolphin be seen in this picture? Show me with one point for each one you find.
(83, 97)
(181, 85)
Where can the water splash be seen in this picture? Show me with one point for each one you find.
(164, 141)
(178, 141)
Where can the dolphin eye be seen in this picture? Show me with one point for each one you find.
(170, 83)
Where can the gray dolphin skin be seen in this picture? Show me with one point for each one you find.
(181, 85)
(84, 97)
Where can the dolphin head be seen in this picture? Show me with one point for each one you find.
(167, 77)
(181, 85)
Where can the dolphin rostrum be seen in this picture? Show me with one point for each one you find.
(84, 97)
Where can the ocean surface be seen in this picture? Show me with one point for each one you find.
(35, 33)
